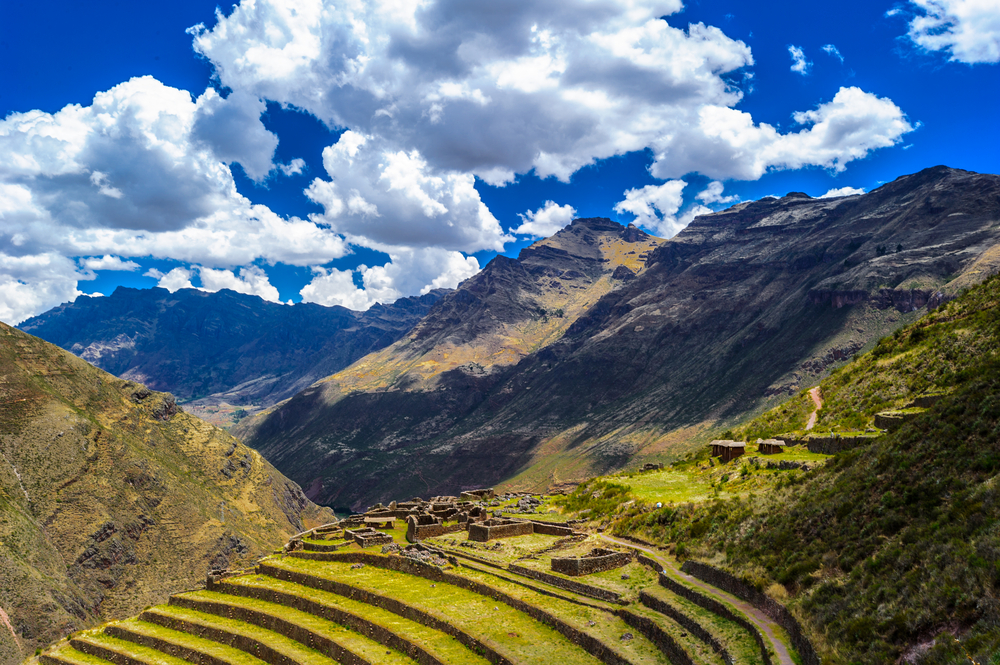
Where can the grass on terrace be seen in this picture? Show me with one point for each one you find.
(737, 641)
(293, 650)
(442, 645)
(349, 639)
(514, 634)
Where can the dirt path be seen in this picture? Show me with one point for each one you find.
(818, 401)
(764, 623)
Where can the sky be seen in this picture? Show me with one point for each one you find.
(356, 152)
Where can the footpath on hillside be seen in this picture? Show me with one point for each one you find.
(818, 401)
(764, 623)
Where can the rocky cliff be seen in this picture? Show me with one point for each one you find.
(111, 497)
(222, 353)
(741, 307)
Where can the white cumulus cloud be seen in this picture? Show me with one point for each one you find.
(656, 206)
(728, 144)
(108, 262)
(967, 30)
(843, 191)
(545, 221)
(713, 194)
(799, 63)
(411, 271)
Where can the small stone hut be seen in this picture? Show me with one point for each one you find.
(728, 450)
(770, 446)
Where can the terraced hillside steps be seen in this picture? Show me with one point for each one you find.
(421, 606)
(507, 634)
(319, 619)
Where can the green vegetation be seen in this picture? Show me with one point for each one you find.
(889, 544)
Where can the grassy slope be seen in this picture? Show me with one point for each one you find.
(889, 546)
(106, 507)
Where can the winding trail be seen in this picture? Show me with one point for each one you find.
(818, 401)
(764, 623)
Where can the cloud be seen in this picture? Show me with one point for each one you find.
(108, 262)
(250, 280)
(968, 30)
(178, 278)
(33, 284)
(833, 51)
(409, 272)
(843, 191)
(381, 197)
(799, 63)
(655, 207)
(713, 194)
(727, 143)
(545, 221)
(231, 127)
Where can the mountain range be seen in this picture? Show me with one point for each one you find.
(602, 346)
(222, 354)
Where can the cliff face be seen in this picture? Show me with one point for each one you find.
(222, 351)
(111, 497)
(739, 308)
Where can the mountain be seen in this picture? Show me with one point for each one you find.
(111, 497)
(887, 551)
(742, 307)
(222, 352)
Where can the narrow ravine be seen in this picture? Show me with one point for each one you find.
(764, 623)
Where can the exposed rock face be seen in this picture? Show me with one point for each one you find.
(111, 498)
(716, 319)
(225, 347)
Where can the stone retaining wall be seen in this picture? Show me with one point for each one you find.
(549, 529)
(686, 622)
(588, 643)
(761, 601)
(592, 563)
(481, 533)
(363, 626)
(568, 585)
(830, 445)
(714, 606)
(385, 603)
(415, 532)
(674, 652)
(244, 643)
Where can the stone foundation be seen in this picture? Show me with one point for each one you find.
(597, 561)
(499, 528)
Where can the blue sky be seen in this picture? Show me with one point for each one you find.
(378, 150)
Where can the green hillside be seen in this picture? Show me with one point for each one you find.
(111, 498)
(889, 550)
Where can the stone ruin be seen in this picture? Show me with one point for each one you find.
(596, 561)
(650, 466)
(367, 537)
(481, 532)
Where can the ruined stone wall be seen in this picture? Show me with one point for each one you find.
(568, 585)
(689, 624)
(587, 565)
(415, 532)
(674, 652)
(770, 607)
(549, 529)
(482, 533)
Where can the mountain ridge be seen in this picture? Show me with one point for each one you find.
(111, 497)
(721, 319)
(224, 351)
